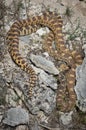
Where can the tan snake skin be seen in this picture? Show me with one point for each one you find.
(70, 58)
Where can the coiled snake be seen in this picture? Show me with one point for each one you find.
(71, 58)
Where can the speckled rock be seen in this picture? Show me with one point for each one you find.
(48, 80)
(66, 118)
(45, 64)
(44, 99)
(16, 116)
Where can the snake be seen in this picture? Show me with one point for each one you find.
(70, 58)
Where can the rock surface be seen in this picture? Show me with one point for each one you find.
(48, 80)
(45, 64)
(66, 118)
(80, 87)
(16, 116)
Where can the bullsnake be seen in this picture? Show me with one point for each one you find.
(71, 58)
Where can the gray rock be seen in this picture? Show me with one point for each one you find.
(80, 87)
(16, 116)
(66, 118)
(48, 80)
(25, 38)
(48, 101)
(44, 100)
(43, 31)
(3, 90)
(43, 63)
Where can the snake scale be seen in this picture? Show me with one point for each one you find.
(70, 58)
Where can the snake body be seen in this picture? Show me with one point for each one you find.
(71, 58)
